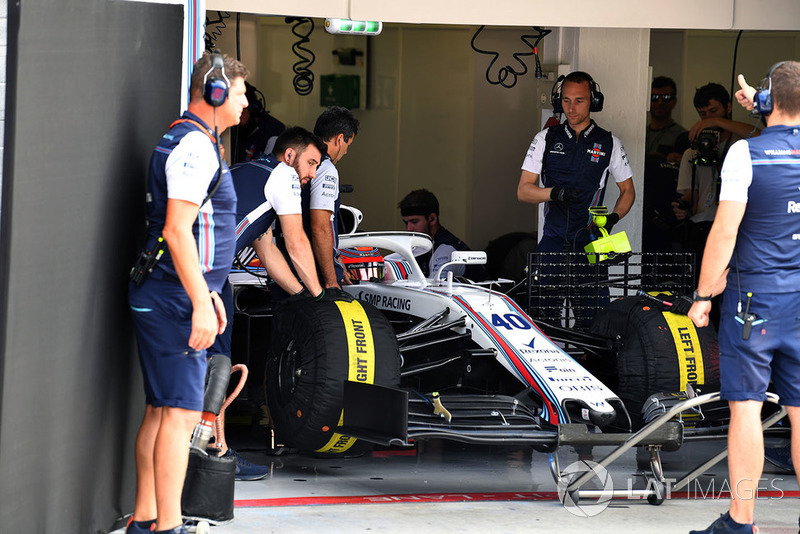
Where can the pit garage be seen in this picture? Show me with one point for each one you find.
(90, 87)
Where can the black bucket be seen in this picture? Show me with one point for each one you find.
(208, 488)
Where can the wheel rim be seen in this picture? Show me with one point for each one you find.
(287, 373)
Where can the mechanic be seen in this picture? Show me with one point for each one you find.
(177, 309)
(754, 239)
(663, 132)
(337, 127)
(258, 130)
(574, 160)
(698, 177)
(269, 189)
(420, 213)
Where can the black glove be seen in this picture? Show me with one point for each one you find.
(611, 220)
(334, 294)
(680, 304)
(302, 294)
(331, 294)
(563, 195)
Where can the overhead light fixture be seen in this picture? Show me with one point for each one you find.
(353, 27)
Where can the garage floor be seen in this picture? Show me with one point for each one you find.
(450, 487)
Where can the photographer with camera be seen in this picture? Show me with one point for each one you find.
(699, 174)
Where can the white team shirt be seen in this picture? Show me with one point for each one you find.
(282, 191)
(737, 173)
(325, 187)
(190, 167)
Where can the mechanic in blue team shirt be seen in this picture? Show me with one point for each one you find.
(268, 189)
(337, 127)
(177, 310)
(753, 254)
(420, 213)
(574, 161)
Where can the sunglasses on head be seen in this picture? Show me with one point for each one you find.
(665, 98)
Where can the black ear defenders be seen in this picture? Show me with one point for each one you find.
(215, 89)
(596, 98)
(762, 100)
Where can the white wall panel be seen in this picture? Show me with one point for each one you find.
(680, 14)
(306, 8)
(712, 14)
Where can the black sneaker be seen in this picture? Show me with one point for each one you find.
(246, 470)
(135, 528)
(726, 525)
(180, 529)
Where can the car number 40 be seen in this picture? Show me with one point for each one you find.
(509, 321)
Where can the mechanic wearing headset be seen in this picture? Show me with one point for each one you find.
(574, 160)
(337, 127)
(420, 212)
(268, 189)
(177, 310)
(754, 239)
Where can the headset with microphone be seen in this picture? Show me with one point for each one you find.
(762, 100)
(596, 98)
(215, 88)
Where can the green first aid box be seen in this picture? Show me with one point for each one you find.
(340, 90)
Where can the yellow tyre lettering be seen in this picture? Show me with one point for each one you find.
(687, 345)
(361, 362)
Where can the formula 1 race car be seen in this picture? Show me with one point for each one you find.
(398, 358)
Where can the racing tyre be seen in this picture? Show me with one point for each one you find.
(315, 347)
(659, 351)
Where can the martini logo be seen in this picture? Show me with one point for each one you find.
(596, 152)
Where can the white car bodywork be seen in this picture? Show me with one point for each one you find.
(494, 322)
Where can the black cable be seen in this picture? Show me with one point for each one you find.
(238, 37)
(215, 32)
(733, 67)
(509, 72)
(303, 81)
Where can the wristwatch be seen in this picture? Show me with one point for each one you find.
(697, 298)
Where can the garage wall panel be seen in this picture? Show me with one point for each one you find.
(435, 136)
(92, 86)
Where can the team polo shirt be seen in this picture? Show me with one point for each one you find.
(581, 162)
(266, 188)
(764, 172)
(323, 194)
(184, 166)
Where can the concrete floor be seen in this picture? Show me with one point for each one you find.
(450, 487)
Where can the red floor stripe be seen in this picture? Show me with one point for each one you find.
(401, 498)
(389, 454)
(467, 497)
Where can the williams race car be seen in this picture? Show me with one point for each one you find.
(398, 358)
